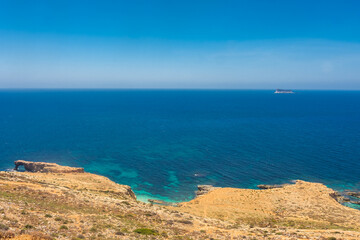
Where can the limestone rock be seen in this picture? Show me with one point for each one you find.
(355, 202)
(338, 197)
(46, 167)
(353, 194)
(203, 189)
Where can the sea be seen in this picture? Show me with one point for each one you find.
(163, 143)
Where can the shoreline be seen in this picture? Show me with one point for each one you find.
(63, 202)
(143, 196)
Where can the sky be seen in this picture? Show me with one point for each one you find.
(206, 44)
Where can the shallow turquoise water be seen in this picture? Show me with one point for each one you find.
(164, 143)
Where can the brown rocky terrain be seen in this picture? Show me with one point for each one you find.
(78, 205)
(302, 205)
(46, 167)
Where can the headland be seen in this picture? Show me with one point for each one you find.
(69, 203)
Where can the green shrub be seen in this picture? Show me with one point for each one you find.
(125, 230)
(3, 227)
(48, 216)
(146, 231)
(63, 227)
(28, 226)
(331, 238)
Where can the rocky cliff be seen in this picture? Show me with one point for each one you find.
(46, 167)
(77, 205)
(303, 205)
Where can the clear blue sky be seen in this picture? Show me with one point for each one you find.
(262, 44)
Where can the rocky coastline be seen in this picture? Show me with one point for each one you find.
(344, 197)
(45, 167)
(50, 201)
(265, 186)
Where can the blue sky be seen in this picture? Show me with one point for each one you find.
(180, 44)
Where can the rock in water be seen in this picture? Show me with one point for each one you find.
(338, 197)
(353, 194)
(46, 167)
(203, 189)
(355, 202)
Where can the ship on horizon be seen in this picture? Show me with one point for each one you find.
(283, 91)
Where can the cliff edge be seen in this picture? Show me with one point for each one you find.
(302, 205)
(49, 201)
(46, 167)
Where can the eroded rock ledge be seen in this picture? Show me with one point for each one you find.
(303, 204)
(46, 167)
(203, 189)
(64, 204)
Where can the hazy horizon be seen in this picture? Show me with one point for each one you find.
(173, 45)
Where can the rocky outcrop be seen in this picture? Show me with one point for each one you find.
(89, 206)
(46, 167)
(203, 189)
(344, 197)
(353, 194)
(338, 197)
(302, 203)
(264, 186)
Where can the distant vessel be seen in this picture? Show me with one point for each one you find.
(283, 91)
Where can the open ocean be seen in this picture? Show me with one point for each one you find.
(165, 142)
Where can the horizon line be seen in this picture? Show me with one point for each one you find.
(188, 89)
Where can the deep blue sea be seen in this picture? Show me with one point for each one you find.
(165, 142)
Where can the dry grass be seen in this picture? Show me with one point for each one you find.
(87, 206)
(302, 205)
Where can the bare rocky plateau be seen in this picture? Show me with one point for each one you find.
(49, 201)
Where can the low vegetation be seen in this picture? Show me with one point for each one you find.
(146, 231)
(76, 206)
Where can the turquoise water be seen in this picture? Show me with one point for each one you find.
(165, 142)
